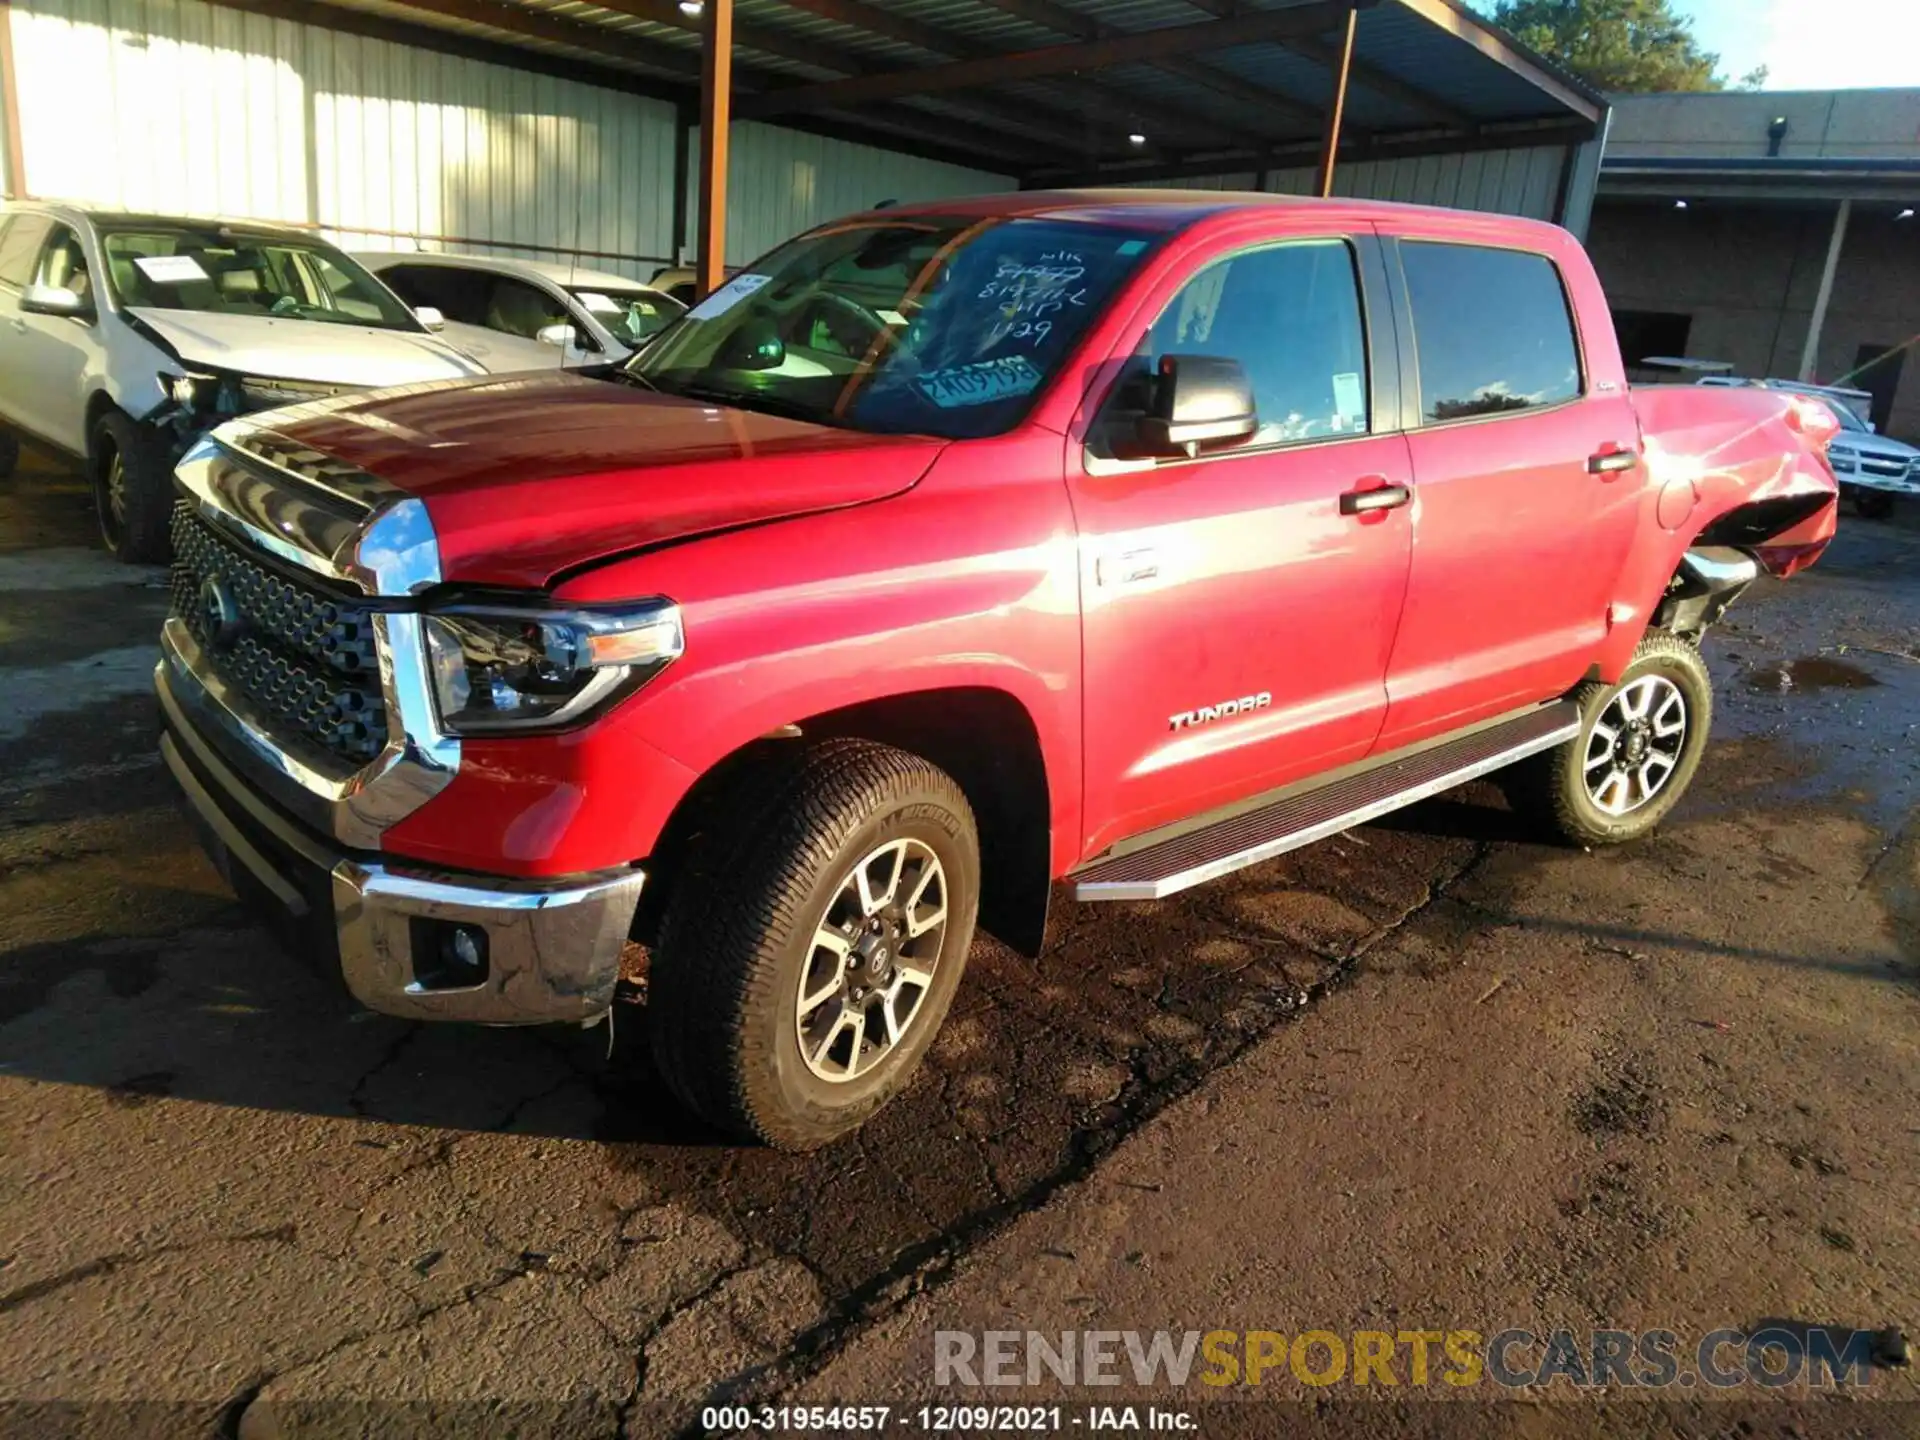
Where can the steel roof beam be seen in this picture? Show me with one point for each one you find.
(961, 143)
(1052, 16)
(1112, 104)
(838, 60)
(1142, 47)
(1372, 77)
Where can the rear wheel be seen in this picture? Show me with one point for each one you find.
(132, 476)
(813, 945)
(1873, 504)
(1639, 745)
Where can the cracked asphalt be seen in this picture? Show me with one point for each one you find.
(1673, 1076)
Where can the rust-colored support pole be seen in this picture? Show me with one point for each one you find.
(10, 116)
(1343, 71)
(716, 108)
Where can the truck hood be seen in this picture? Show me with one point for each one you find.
(314, 350)
(530, 475)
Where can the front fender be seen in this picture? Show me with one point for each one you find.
(947, 586)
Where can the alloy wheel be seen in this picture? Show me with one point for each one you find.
(872, 959)
(1634, 746)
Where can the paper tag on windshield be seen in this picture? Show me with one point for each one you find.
(728, 296)
(600, 304)
(170, 269)
(1348, 399)
(982, 383)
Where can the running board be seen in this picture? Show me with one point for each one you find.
(1309, 815)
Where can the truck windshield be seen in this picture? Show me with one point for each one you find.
(932, 325)
(213, 269)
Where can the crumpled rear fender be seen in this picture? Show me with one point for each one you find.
(1723, 467)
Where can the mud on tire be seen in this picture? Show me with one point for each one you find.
(837, 871)
(1639, 745)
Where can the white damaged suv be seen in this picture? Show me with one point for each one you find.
(124, 337)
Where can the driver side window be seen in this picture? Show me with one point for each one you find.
(1290, 314)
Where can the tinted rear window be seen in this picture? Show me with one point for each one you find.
(1491, 328)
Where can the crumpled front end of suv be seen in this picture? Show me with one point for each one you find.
(300, 719)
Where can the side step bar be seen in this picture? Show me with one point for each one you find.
(1309, 815)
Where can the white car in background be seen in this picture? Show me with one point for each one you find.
(528, 314)
(1874, 470)
(124, 337)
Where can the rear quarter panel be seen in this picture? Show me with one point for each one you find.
(1708, 451)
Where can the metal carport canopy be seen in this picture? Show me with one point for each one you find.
(1046, 91)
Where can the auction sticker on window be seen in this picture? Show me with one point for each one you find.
(728, 296)
(981, 383)
(170, 269)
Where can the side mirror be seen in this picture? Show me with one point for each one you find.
(56, 300)
(1197, 399)
(756, 345)
(430, 317)
(561, 335)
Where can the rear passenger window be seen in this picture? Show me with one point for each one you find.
(1290, 314)
(1491, 328)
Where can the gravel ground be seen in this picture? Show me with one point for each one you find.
(1435, 1072)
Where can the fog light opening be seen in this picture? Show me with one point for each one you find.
(449, 955)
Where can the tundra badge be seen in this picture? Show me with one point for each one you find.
(1207, 714)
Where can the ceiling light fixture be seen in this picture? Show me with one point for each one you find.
(1906, 214)
(1136, 138)
(1679, 204)
(691, 7)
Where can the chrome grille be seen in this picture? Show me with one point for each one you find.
(303, 654)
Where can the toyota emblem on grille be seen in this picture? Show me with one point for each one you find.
(219, 612)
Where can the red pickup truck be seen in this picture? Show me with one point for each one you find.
(949, 551)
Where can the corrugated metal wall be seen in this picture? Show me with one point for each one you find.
(179, 106)
(1511, 182)
(781, 181)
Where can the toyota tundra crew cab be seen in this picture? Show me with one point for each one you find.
(1121, 539)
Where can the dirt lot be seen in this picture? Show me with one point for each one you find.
(1433, 1075)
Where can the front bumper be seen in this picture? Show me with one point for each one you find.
(552, 948)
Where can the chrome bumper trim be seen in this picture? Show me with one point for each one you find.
(553, 953)
(354, 807)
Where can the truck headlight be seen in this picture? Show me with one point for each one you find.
(497, 669)
(1841, 459)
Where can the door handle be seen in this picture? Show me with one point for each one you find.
(1611, 462)
(1381, 497)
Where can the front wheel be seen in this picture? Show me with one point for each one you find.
(813, 945)
(133, 488)
(1639, 745)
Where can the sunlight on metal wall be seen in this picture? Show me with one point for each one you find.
(179, 106)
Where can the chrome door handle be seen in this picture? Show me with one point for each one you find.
(1128, 567)
(1381, 497)
(1611, 462)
